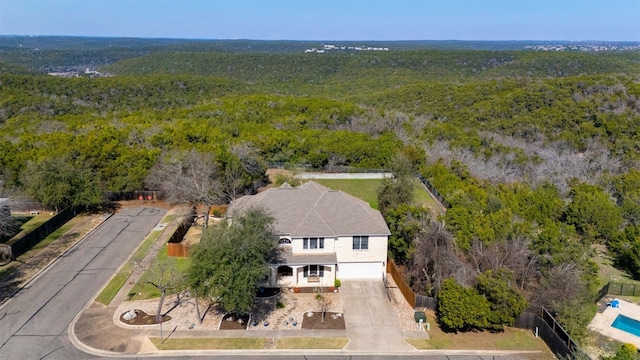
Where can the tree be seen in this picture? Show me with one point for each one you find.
(324, 302)
(398, 190)
(626, 250)
(190, 177)
(7, 222)
(593, 212)
(435, 259)
(405, 222)
(232, 259)
(165, 277)
(506, 302)
(59, 182)
(624, 352)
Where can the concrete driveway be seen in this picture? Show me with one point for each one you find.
(372, 325)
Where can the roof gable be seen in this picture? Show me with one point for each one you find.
(315, 210)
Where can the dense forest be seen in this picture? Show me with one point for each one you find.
(537, 152)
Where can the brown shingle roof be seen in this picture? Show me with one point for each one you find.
(315, 210)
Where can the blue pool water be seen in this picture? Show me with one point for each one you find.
(627, 325)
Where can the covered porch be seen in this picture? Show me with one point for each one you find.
(316, 270)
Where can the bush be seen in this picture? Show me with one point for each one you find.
(462, 309)
(337, 283)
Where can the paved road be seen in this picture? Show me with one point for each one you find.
(33, 325)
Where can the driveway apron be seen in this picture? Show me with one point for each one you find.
(372, 325)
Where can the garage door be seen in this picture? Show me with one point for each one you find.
(360, 270)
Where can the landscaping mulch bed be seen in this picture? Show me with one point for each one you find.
(142, 318)
(332, 321)
(234, 322)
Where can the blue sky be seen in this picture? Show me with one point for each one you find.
(327, 19)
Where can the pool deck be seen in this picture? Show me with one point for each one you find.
(602, 322)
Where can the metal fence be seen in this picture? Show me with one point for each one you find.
(619, 288)
(435, 192)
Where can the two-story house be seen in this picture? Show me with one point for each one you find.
(324, 234)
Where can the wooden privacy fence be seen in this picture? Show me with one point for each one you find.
(415, 300)
(175, 246)
(404, 288)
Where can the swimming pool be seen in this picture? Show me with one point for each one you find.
(627, 324)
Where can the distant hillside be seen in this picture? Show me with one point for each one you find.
(375, 71)
(63, 53)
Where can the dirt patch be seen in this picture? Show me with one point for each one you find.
(331, 321)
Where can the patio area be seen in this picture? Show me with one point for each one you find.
(602, 322)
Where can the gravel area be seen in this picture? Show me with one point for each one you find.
(403, 310)
(184, 316)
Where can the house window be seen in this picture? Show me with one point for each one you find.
(313, 271)
(360, 243)
(312, 243)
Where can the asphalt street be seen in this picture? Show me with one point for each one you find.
(33, 324)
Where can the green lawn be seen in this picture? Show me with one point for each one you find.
(142, 290)
(311, 343)
(367, 190)
(111, 289)
(422, 198)
(208, 343)
(364, 189)
(28, 223)
(58, 233)
(510, 339)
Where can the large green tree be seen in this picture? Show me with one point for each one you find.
(506, 301)
(233, 258)
(593, 212)
(59, 182)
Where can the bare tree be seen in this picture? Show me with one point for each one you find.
(244, 174)
(7, 222)
(190, 177)
(435, 259)
(324, 302)
(514, 255)
(557, 163)
(562, 283)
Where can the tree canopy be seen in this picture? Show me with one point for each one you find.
(233, 258)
